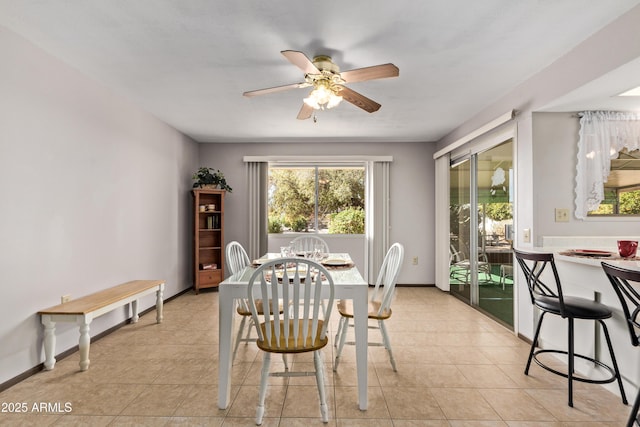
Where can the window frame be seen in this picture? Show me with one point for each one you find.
(618, 191)
(316, 166)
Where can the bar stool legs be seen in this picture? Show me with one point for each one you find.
(614, 362)
(633, 416)
(571, 355)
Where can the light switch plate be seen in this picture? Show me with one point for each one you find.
(526, 235)
(562, 215)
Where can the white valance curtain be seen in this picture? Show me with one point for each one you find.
(603, 134)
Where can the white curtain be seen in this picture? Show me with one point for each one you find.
(603, 134)
(378, 224)
(257, 179)
(443, 238)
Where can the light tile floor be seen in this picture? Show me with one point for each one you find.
(456, 368)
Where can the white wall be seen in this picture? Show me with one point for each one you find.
(94, 192)
(555, 143)
(412, 192)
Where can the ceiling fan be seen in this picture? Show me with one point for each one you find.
(329, 83)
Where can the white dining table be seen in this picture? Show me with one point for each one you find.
(348, 284)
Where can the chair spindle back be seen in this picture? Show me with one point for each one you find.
(237, 257)
(299, 282)
(387, 277)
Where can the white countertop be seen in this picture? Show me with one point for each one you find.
(597, 261)
(559, 244)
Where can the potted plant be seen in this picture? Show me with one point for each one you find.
(210, 178)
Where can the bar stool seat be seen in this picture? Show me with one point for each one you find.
(578, 308)
(549, 298)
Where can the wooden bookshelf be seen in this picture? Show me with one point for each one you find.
(208, 240)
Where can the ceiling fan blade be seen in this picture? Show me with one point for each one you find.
(359, 100)
(275, 89)
(301, 61)
(305, 112)
(370, 73)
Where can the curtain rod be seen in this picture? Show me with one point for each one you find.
(316, 159)
(581, 113)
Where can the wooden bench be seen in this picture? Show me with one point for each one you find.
(83, 310)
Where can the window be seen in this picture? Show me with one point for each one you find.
(319, 198)
(622, 189)
(608, 169)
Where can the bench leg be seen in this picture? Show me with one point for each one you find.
(134, 311)
(159, 296)
(49, 342)
(84, 343)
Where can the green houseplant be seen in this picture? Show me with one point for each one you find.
(210, 178)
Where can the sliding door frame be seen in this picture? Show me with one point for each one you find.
(444, 158)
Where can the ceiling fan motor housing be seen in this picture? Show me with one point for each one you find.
(324, 63)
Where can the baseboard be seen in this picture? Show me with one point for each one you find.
(410, 285)
(32, 371)
(415, 285)
(525, 339)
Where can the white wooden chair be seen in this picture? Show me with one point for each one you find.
(306, 244)
(237, 259)
(379, 304)
(301, 330)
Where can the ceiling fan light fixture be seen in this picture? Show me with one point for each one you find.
(311, 101)
(323, 96)
(334, 100)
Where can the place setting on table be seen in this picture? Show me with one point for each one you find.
(337, 263)
(327, 260)
(627, 250)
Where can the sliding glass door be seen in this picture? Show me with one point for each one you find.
(481, 221)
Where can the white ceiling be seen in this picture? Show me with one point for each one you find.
(189, 61)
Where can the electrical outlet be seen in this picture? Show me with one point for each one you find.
(65, 298)
(526, 235)
(415, 260)
(562, 215)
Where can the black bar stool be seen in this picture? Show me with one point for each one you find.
(550, 299)
(626, 283)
